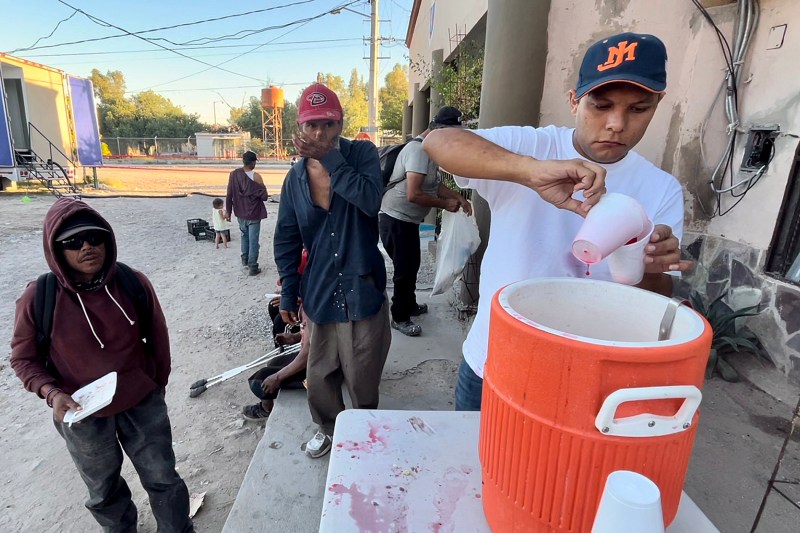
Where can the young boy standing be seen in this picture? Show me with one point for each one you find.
(220, 220)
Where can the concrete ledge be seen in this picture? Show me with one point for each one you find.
(282, 489)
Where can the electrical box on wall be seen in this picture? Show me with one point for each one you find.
(760, 147)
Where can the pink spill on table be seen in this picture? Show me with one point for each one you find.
(371, 513)
(451, 490)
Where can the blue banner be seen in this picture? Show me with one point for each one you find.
(84, 112)
(6, 153)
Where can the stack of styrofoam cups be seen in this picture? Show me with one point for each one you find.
(630, 502)
(626, 263)
(608, 229)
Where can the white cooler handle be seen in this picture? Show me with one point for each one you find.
(648, 424)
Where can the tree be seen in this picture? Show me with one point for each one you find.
(146, 114)
(248, 118)
(113, 108)
(393, 97)
(459, 82)
(334, 83)
(355, 106)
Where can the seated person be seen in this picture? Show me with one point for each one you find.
(286, 371)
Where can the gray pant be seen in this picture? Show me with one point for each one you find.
(144, 433)
(352, 353)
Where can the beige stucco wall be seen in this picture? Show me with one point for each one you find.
(45, 104)
(772, 95)
(457, 16)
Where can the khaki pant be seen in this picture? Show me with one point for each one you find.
(352, 353)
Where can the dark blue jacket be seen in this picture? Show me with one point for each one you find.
(345, 277)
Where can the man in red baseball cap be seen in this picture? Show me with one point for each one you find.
(329, 206)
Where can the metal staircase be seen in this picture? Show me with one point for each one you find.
(47, 171)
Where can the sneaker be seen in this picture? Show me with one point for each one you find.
(254, 271)
(244, 261)
(319, 445)
(255, 412)
(407, 328)
(421, 309)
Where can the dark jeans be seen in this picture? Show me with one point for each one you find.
(144, 433)
(469, 389)
(401, 241)
(295, 381)
(251, 231)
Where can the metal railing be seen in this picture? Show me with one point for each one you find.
(32, 128)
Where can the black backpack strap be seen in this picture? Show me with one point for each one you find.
(44, 304)
(135, 290)
(391, 184)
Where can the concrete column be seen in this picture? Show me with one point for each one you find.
(420, 116)
(407, 111)
(437, 61)
(515, 55)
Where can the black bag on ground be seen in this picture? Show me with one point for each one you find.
(388, 156)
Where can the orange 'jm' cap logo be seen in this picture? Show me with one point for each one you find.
(617, 54)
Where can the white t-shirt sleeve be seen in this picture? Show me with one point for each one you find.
(523, 140)
(670, 212)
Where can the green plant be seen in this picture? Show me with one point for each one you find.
(727, 337)
(459, 81)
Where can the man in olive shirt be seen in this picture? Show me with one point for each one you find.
(414, 188)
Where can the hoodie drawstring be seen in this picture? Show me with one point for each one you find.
(120, 307)
(85, 314)
(90, 322)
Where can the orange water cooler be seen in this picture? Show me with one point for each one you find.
(576, 386)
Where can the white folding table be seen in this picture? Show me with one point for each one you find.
(418, 471)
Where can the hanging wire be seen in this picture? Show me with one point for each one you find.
(747, 21)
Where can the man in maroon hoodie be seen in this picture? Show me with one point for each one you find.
(245, 198)
(96, 330)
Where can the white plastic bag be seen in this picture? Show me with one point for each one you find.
(458, 240)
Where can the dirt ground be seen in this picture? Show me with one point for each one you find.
(217, 319)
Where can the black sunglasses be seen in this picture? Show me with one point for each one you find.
(94, 238)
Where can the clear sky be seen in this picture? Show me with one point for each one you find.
(284, 44)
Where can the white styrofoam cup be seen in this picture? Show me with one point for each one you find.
(630, 502)
(613, 221)
(626, 263)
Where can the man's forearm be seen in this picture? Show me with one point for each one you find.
(425, 200)
(466, 154)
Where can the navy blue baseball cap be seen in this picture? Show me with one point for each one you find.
(635, 58)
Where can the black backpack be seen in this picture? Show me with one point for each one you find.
(388, 155)
(45, 302)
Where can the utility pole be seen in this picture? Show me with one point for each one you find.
(374, 53)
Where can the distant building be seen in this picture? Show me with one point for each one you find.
(221, 145)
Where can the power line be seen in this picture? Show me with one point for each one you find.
(187, 89)
(243, 34)
(99, 62)
(33, 47)
(48, 35)
(314, 41)
(252, 50)
(101, 22)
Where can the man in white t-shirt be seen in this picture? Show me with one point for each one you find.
(621, 82)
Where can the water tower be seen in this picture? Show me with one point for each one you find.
(272, 120)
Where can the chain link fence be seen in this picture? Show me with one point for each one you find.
(122, 147)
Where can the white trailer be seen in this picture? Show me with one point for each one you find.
(48, 126)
